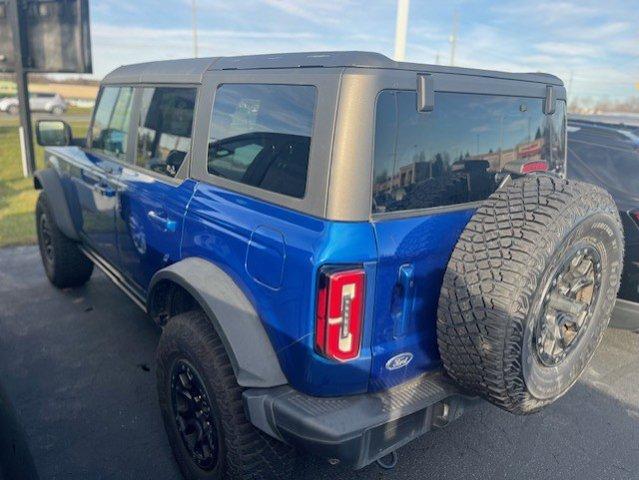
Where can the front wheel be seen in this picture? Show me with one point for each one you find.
(64, 263)
(203, 412)
(57, 110)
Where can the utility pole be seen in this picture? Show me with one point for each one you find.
(453, 37)
(569, 89)
(400, 29)
(17, 15)
(194, 26)
(437, 58)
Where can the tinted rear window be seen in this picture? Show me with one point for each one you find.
(596, 155)
(454, 154)
(261, 136)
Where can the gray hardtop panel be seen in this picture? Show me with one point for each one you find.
(363, 60)
(350, 184)
(189, 70)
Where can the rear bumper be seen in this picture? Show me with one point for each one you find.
(356, 430)
(625, 315)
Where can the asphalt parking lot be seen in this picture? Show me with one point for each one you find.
(78, 366)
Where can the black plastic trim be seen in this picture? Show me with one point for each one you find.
(359, 429)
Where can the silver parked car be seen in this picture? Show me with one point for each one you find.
(42, 102)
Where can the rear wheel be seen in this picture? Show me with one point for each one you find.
(64, 263)
(203, 411)
(529, 290)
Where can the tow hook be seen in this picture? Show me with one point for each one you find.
(388, 462)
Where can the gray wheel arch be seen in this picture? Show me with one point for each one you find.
(234, 318)
(49, 181)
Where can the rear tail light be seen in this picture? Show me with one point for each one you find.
(531, 167)
(635, 215)
(340, 310)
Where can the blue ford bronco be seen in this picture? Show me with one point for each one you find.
(343, 251)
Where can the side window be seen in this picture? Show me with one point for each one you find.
(164, 131)
(261, 135)
(455, 153)
(110, 129)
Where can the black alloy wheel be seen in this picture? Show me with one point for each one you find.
(46, 242)
(568, 304)
(193, 415)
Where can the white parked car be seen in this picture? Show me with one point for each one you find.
(42, 102)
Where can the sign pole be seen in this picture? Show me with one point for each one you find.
(19, 47)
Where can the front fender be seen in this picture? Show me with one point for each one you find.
(234, 318)
(49, 181)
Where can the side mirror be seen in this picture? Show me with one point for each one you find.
(53, 133)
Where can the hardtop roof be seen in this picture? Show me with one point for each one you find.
(192, 70)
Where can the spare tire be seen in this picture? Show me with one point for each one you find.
(529, 289)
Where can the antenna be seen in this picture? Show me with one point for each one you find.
(453, 37)
(400, 29)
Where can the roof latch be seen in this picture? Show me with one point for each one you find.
(425, 93)
(550, 101)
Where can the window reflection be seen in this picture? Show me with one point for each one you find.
(164, 133)
(261, 135)
(455, 154)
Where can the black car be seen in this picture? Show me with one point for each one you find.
(608, 155)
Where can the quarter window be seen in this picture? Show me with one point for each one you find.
(110, 128)
(261, 135)
(164, 132)
(457, 153)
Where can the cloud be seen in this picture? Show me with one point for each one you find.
(548, 12)
(320, 12)
(568, 49)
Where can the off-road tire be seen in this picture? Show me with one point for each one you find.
(245, 451)
(65, 265)
(492, 291)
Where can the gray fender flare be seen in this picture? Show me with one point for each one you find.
(49, 181)
(252, 356)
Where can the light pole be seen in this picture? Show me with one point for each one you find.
(194, 26)
(400, 29)
(453, 38)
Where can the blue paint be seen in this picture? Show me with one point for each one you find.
(219, 226)
(265, 256)
(274, 255)
(424, 243)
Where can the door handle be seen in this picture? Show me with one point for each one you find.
(162, 221)
(104, 189)
(404, 299)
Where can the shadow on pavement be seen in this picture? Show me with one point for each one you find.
(15, 458)
(79, 368)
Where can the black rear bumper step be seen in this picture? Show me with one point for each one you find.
(359, 429)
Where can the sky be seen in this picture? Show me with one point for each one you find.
(592, 45)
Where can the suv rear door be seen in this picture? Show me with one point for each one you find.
(430, 171)
(153, 191)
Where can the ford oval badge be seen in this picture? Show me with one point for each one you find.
(399, 361)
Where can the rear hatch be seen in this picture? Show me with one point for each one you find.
(431, 171)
